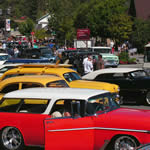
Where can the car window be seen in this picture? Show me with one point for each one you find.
(68, 108)
(102, 50)
(16, 74)
(118, 75)
(71, 76)
(101, 103)
(139, 73)
(104, 76)
(24, 105)
(3, 57)
(10, 87)
(30, 85)
(60, 83)
(4, 69)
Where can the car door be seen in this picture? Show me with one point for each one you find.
(124, 81)
(69, 133)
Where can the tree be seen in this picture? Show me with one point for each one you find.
(27, 27)
(106, 19)
(132, 9)
(40, 34)
(140, 36)
(62, 19)
(120, 27)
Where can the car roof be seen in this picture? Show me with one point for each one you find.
(102, 47)
(43, 79)
(93, 74)
(52, 93)
(1, 54)
(41, 70)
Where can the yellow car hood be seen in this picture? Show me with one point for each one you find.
(94, 85)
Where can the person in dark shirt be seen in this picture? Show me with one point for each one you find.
(100, 63)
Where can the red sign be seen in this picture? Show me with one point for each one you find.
(32, 33)
(83, 34)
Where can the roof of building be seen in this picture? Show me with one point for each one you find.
(45, 16)
(142, 9)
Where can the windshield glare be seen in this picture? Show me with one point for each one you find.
(139, 73)
(100, 103)
(71, 76)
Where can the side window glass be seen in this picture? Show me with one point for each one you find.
(10, 88)
(104, 77)
(30, 85)
(67, 108)
(60, 83)
(10, 75)
(118, 75)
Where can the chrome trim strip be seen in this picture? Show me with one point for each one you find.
(100, 128)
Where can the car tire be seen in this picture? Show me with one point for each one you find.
(147, 98)
(124, 142)
(11, 139)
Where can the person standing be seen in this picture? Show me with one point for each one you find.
(100, 63)
(88, 64)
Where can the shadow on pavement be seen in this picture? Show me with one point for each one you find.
(33, 148)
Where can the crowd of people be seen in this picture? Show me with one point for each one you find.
(13, 47)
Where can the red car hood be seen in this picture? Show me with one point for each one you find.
(127, 118)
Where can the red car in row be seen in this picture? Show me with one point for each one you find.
(70, 119)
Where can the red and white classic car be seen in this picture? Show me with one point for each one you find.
(70, 119)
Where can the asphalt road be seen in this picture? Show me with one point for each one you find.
(34, 148)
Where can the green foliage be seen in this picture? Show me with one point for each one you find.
(106, 19)
(27, 27)
(40, 34)
(62, 22)
(120, 27)
(124, 58)
(141, 34)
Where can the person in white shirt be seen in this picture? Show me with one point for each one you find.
(88, 64)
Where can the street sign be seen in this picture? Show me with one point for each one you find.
(7, 24)
(83, 34)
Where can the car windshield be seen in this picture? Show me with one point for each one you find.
(23, 105)
(102, 50)
(46, 51)
(71, 76)
(139, 73)
(3, 57)
(4, 69)
(101, 103)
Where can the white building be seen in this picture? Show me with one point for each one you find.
(43, 22)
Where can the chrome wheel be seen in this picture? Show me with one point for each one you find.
(148, 98)
(11, 138)
(125, 143)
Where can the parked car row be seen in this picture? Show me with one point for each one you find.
(62, 106)
(70, 76)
